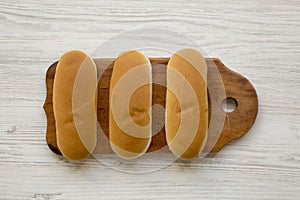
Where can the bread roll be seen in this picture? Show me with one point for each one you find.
(186, 104)
(75, 105)
(130, 105)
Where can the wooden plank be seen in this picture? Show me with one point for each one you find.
(257, 39)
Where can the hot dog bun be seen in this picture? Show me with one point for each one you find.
(130, 105)
(186, 104)
(74, 105)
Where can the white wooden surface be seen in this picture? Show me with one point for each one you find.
(259, 39)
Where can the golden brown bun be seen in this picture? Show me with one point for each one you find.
(130, 105)
(187, 105)
(74, 104)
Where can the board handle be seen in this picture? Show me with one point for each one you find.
(239, 90)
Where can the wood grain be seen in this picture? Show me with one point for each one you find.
(258, 39)
(236, 123)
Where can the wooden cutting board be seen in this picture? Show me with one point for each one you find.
(222, 83)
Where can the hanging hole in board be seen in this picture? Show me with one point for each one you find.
(229, 105)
